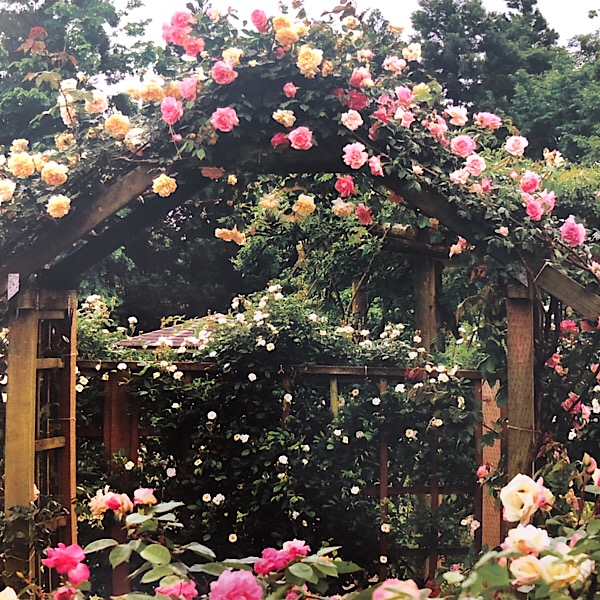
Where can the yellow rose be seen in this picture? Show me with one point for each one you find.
(231, 235)
(41, 160)
(560, 572)
(309, 60)
(64, 140)
(350, 22)
(281, 22)
(412, 52)
(7, 189)
(284, 117)
(54, 174)
(526, 569)
(151, 92)
(269, 202)
(287, 36)
(232, 179)
(233, 56)
(21, 165)
(117, 125)
(304, 206)
(164, 185)
(133, 91)
(326, 68)
(301, 29)
(342, 209)
(19, 145)
(58, 206)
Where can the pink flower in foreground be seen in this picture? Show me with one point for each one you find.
(224, 119)
(280, 139)
(223, 73)
(178, 35)
(235, 585)
(548, 200)
(259, 20)
(271, 560)
(295, 548)
(301, 138)
(438, 127)
(193, 46)
(144, 496)
(483, 471)
(289, 89)
(119, 503)
(375, 166)
(516, 144)
(182, 589)
(64, 592)
(357, 100)
(463, 145)
(392, 589)
(181, 18)
(345, 186)
(79, 574)
(171, 110)
(572, 233)
(352, 120)
(364, 214)
(405, 95)
(354, 155)
(63, 558)
(534, 209)
(188, 87)
(475, 164)
(530, 182)
(487, 120)
(568, 326)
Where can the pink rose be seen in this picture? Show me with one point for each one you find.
(437, 127)
(463, 145)
(475, 164)
(483, 471)
(354, 155)
(460, 177)
(179, 35)
(271, 560)
(64, 558)
(187, 88)
(224, 119)
(181, 18)
(486, 184)
(487, 120)
(301, 138)
(223, 73)
(548, 200)
(357, 100)
(530, 182)
(568, 326)
(193, 46)
(394, 64)
(79, 574)
(361, 77)
(375, 166)
(364, 214)
(405, 116)
(534, 209)
(405, 95)
(457, 114)
(345, 186)
(280, 139)
(171, 110)
(516, 144)
(391, 589)
(235, 585)
(64, 592)
(181, 589)
(352, 120)
(295, 548)
(289, 89)
(572, 233)
(144, 496)
(259, 20)
(553, 361)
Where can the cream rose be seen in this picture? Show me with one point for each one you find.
(304, 206)
(21, 165)
(269, 202)
(284, 117)
(54, 174)
(521, 498)
(7, 189)
(117, 125)
(526, 569)
(58, 206)
(526, 540)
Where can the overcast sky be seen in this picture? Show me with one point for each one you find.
(568, 17)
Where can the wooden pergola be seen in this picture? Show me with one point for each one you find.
(38, 284)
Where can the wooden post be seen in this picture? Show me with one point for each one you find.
(424, 283)
(520, 428)
(383, 483)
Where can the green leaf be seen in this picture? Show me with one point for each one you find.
(137, 519)
(98, 545)
(156, 573)
(211, 569)
(156, 554)
(347, 567)
(164, 507)
(200, 550)
(592, 489)
(328, 550)
(303, 571)
(120, 554)
(137, 596)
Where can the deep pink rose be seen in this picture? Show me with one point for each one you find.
(354, 155)
(345, 186)
(224, 119)
(167, 32)
(289, 89)
(64, 593)
(530, 182)
(516, 144)
(391, 589)
(375, 166)
(271, 560)
(357, 100)
(405, 95)
(63, 558)
(193, 46)
(572, 233)
(361, 77)
(259, 20)
(301, 138)
(487, 120)
(181, 589)
(280, 139)
(407, 119)
(381, 113)
(171, 110)
(79, 574)
(235, 585)
(223, 73)
(364, 214)
(188, 87)
(486, 184)
(463, 145)
(553, 361)
(568, 326)
(295, 548)
(534, 209)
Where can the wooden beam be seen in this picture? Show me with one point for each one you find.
(50, 443)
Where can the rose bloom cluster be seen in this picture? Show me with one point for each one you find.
(68, 561)
(120, 504)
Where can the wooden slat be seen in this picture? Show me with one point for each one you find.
(55, 523)
(49, 363)
(50, 443)
(395, 490)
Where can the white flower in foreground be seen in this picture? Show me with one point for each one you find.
(171, 472)
(283, 460)
(233, 538)
(252, 377)
(212, 415)
(206, 498)
(354, 490)
(218, 499)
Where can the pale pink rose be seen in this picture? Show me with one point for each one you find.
(171, 110)
(393, 589)
(405, 95)
(516, 144)
(352, 120)
(534, 209)
(530, 182)
(483, 471)
(475, 164)
(548, 200)
(405, 117)
(375, 166)
(301, 138)
(354, 155)
(188, 87)
(193, 46)
(463, 145)
(459, 247)
(365, 55)
(144, 496)
(223, 73)
(394, 64)
(361, 78)
(184, 589)
(437, 127)
(289, 89)
(457, 114)
(487, 120)
(213, 14)
(98, 104)
(364, 214)
(341, 208)
(460, 177)
(295, 548)
(503, 231)
(345, 186)
(572, 233)
(235, 585)
(259, 20)
(526, 539)
(486, 184)
(224, 119)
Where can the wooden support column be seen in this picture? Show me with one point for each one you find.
(384, 491)
(424, 283)
(520, 427)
